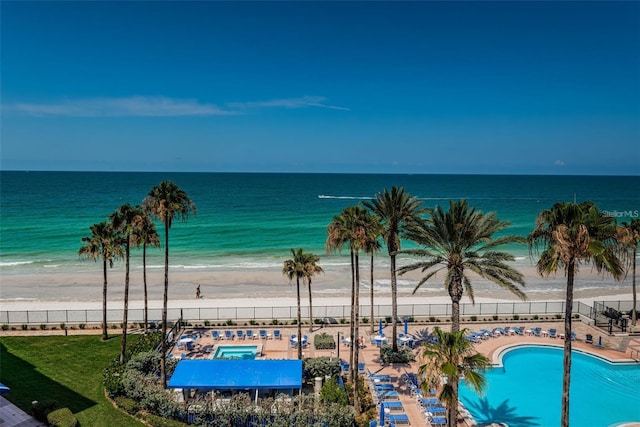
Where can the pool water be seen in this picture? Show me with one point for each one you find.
(527, 390)
(245, 352)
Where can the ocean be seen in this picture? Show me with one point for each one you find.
(249, 221)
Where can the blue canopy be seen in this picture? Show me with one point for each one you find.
(4, 389)
(221, 374)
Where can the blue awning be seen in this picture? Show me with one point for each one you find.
(220, 374)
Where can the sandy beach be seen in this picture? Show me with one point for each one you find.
(269, 288)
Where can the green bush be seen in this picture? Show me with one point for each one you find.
(516, 317)
(5, 327)
(156, 421)
(495, 317)
(474, 318)
(24, 327)
(365, 320)
(318, 321)
(42, 409)
(130, 406)
(536, 317)
(321, 367)
(62, 417)
(432, 319)
(332, 393)
(403, 355)
(324, 341)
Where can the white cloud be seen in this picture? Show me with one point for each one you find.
(559, 163)
(157, 106)
(304, 102)
(136, 106)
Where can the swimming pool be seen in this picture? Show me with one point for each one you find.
(527, 390)
(245, 352)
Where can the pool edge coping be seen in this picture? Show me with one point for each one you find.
(499, 353)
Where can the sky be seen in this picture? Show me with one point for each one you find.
(353, 87)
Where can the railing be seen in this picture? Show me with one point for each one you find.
(286, 313)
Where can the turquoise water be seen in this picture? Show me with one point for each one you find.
(245, 352)
(527, 390)
(249, 221)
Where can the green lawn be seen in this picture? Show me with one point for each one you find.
(65, 369)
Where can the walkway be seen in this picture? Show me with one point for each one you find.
(12, 416)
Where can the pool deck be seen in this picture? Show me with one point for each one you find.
(614, 349)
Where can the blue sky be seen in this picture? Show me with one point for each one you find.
(415, 87)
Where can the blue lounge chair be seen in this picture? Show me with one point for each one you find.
(436, 409)
(553, 333)
(394, 405)
(215, 335)
(388, 395)
(277, 335)
(383, 387)
(398, 418)
(430, 401)
(344, 366)
(574, 336)
(438, 421)
(361, 368)
(250, 334)
(537, 331)
(240, 334)
(228, 335)
(263, 334)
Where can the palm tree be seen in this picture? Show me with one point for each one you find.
(301, 266)
(124, 221)
(629, 237)
(353, 227)
(146, 234)
(371, 246)
(103, 244)
(311, 269)
(167, 201)
(398, 212)
(569, 235)
(462, 239)
(451, 355)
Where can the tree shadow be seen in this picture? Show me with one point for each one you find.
(27, 385)
(503, 413)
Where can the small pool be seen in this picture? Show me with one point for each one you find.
(527, 390)
(245, 352)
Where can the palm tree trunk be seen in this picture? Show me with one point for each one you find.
(452, 410)
(163, 364)
(634, 313)
(566, 377)
(310, 308)
(371, 294)
(144, 281)
(105, 335)
(456, 295)
(299, 320)
(125, 315)
(351, 315)
(394, 303)
(356, 328)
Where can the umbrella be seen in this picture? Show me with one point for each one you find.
(380, 329)
(381, 423)
(406, 326)
(4, 389)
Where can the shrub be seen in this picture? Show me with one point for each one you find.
(536, 317)
(130, 406)
(294, 322)
(82, 325)
(410, 319)
(207, 323)
(62, 417)
(324, 341)
(516, 317)
(318, 321)
(321, 367)
(24, 327)
(43, 326)
(253, 322)
(432, 319)
(403, 355)
(365, 320)
(229, 322)
(387, 319)
(495, 317)
(332, 393)
(42, 409)
(5, 327)
(343, 321)
(156, 421)
(474, 318)
(275, 322)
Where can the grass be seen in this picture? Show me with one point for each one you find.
(67, 370)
